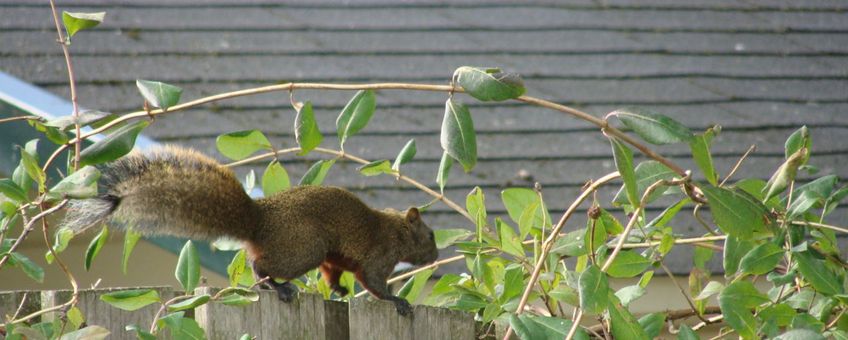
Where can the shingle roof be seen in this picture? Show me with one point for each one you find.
(759, 68)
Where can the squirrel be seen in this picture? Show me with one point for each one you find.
(181, 192)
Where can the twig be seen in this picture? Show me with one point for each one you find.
(698, 241)
(548, 244)
(674, 315)
(682, 291)
(738, 164)
(28, 228)
(817, 225)
(12, 119)
(71, 82)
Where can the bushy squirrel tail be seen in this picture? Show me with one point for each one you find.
(168, 191)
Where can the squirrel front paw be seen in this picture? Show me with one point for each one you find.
(403, 307)
(286, 291)
(341, 291)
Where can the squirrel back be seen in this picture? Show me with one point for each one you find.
(168, 191)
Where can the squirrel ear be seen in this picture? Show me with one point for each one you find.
(412, 215)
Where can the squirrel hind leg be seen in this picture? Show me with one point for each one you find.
(332, 274)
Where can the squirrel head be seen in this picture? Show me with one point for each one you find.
(423, 248)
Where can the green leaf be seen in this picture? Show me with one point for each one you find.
(510, 243)
(800, 334)
(275, 179)
(189, 303)
(700, 146)
(29, 268)
(734, 250)
(81, 184)
(594, 290)
(182, 327)
(624, 163)
(131, 237)
(306, 131)
(95, 246)
(513, 282)
(75, 22)
(444, 169)
(446, 237)
(237, 270)
(355, 115)
(822, 186)
(622, 323)
(652, 127)
(647, 173)
(761, 259)
(780, 314)
(316, 173)
(798, 140)
(376, 168)
(572, 244)
(140, 333)
(415, 285)
(736, 213)
(482, 272)
(518, 200)
(652, 324)
(159, 94)
(630, 293)
(237, 296)
(406, 154)
(11, 190)
(131, 300)
(628, 264)
(86, 118)
(32, 169)
(53, 134)
(817, 274)
(87, 333)
(533, 327)
(188, 267)
(75, 317)
(475, 204)
(736, 302)
(712, 288)
(784, 174)
(458, 138)
(528, 216)
(489, 84)
(115, 145)
(686, 333)
(20, 176)
(62, 237)
(240, 144)
(802, 203)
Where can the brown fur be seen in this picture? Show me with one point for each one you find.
(180, 192)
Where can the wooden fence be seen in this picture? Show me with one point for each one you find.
(309, 317)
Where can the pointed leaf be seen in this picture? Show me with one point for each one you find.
(700, 146)
(594, 290)
(306, 129)
(628, 264)
(131, 237)
(75, 22)
(87, 333)
(406, 154)
(355, 115)
(86, 117)
(510, 243)
(190, 303)
(31, 269)
(114, 146)
(624, 163)
(376, 168)
(784, 174)
(81, 184)
(95, 246)
(444, 170)
(518, 200)
(458, 138)
(240, 144)
(652, 127)
(62, 237)
(798, 140)
(275, 179)
(413, 288)
(159, 94)
(761, 259)
(316, 173)
(735, 213)
(647, 173)
(32, 168)
(131, 300)
(188, 267)
(818, 275)
(622, 323)
(12, 191)
(489, 84)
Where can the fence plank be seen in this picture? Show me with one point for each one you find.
(375, 319)
(308, 317)
(97, 312)
(10, 301)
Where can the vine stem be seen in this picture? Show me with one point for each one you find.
(548, 244)
(12, 119)
(359, 160)
(28, 228)
(601, 123)
(71, 82)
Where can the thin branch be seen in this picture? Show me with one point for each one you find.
(698, 241)
(817, 225)
(12, 119)
(28, 228)
(682, 291)
(738, 164)
(71, 82)
(674, 315)
(548, 244)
